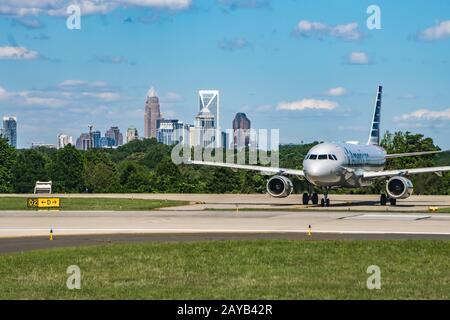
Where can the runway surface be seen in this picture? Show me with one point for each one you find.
(73, 228)
(22, 244)
(339, 202)
(350, 217)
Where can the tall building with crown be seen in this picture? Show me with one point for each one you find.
(204, 131)
(152, 114)
(210, 99)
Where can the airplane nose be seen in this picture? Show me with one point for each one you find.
(319, 174)
(316, 171)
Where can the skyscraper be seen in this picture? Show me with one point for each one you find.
(114, 133)
(210, 99)
(9, 131)
(152, 114)
(96, 136)
(204, 133)
(64, 140)
(132, 134)
(83, 142)
(170, 131)
(241, 131)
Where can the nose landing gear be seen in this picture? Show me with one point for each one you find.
(314, 198)
(325, 202)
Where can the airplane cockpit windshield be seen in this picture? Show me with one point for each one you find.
(321, 157)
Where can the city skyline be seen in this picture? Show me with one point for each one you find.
(294, 68)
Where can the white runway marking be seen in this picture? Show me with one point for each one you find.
(388, 217)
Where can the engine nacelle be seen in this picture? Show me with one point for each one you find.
(399, 187)
(279, 187)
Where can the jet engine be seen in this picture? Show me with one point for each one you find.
(399, 187)
(279, 187)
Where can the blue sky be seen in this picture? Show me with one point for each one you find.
(308, 68)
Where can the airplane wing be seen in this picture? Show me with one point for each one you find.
(261, 169)
(410, 154)
(403, 172)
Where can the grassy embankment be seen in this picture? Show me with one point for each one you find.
(264, 269)
(18, 203)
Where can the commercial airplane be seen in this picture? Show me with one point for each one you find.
(349, 165)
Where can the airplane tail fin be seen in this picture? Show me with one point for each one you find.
(374, 136)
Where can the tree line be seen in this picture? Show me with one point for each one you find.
(146, 166)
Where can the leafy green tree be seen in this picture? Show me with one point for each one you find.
(403, 142)
(7, 162)
(100, 172)
(134, 177)
(168, 176)
(31, 166)
(67, 170)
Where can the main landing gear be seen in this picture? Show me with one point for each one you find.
(314, 198)
(384, 199)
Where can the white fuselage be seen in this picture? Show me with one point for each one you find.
(342, 164)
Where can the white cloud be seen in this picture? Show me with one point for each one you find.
(20, 8)
(106, 96)
(438, 32)
(319, 30)
(424, 114)
(72, 83)
(3, 93)
(358, 58)
(233, 44)
(171, 4)
(17, 53)
(307, 104)
(336, 92)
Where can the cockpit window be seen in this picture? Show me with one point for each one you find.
(335, 158)
(322, 157)
(330, 157)
(313, 157)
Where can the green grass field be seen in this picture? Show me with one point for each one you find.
(18, 203)
(263, 269)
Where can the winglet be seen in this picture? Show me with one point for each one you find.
(374, 136)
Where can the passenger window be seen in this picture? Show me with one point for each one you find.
(322, 157)
(313, 157)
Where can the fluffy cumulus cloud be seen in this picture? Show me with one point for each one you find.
(17, 53)
(65, 94)
(358, 57)
(336, 92)
(21, 8)
(424, 115)
(306, 104)
(438, 32)
(319, 30)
